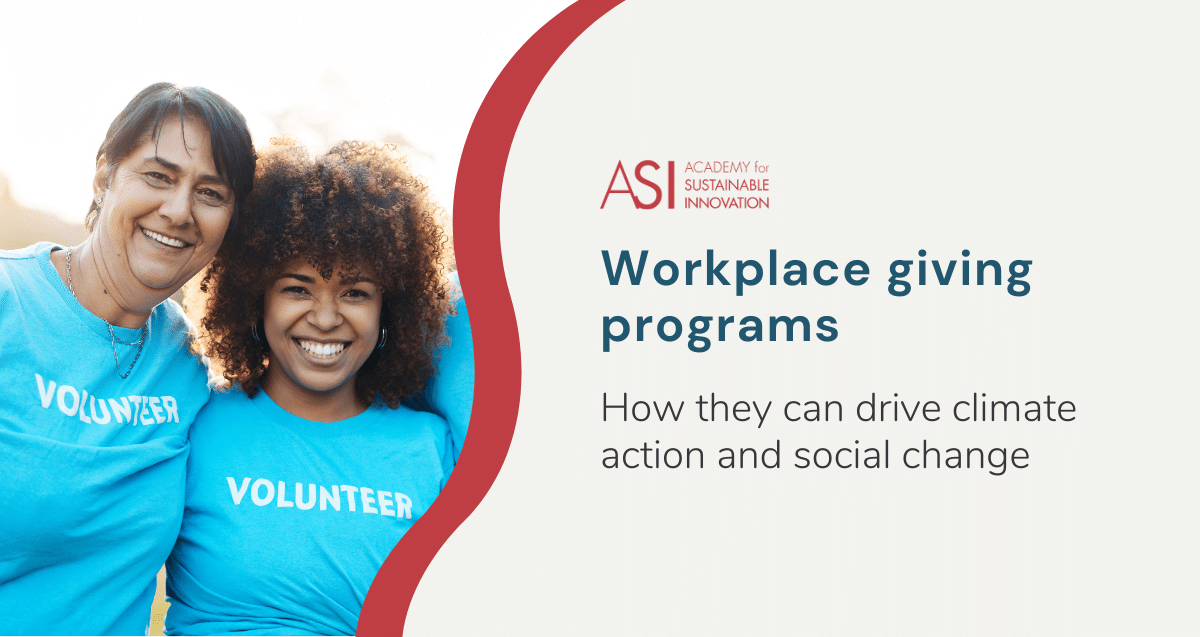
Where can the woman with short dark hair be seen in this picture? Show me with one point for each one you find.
(99, 385)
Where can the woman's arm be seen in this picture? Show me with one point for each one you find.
(451, 391)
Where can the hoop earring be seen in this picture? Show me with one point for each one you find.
(254, 331)
(382, 338)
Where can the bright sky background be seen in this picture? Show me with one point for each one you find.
(418, 69)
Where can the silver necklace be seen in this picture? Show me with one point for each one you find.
(111, 334)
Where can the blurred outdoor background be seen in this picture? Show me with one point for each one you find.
(408, 73)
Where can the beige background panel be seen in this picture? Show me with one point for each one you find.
(1062, 133)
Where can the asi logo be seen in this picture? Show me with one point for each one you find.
(638, 173)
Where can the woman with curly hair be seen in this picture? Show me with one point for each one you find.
(327, 312)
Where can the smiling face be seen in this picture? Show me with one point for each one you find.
(320, 333)
(165, 210)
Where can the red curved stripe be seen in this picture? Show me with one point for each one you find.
(493, 324)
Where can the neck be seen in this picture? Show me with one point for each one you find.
(102, 293)
(319, 406)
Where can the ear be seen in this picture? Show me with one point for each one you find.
(100, 182)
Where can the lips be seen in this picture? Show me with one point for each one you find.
(164, 239)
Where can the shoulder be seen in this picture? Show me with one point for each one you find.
(17, 267)
(24, 282)
(171, 342)
(224, 402)
(226, 408)
(173, 317)
(407, 414)
(223, 417)
(406, 417)
(426, 430)
(427, 434)
(28, 253)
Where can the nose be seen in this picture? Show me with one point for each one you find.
(177, 207)
(325, 314)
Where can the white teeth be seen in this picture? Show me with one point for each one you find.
(322, 349)
(165, 240)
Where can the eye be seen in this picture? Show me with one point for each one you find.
(157, 178)
(358, 295)
(298, 290)
(211, 197)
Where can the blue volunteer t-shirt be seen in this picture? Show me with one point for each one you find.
(92, 487)
(288, 520)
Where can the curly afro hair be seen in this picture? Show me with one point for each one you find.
(356, 207)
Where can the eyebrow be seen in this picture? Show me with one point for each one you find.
(169, 165)
(307, 279)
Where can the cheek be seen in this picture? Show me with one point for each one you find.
(212, 230)
(278, 316)
(377, 317)
(367, 322)
(110, 216)
(110, 230)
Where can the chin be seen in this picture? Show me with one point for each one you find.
(326, 387)
(161, 281)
